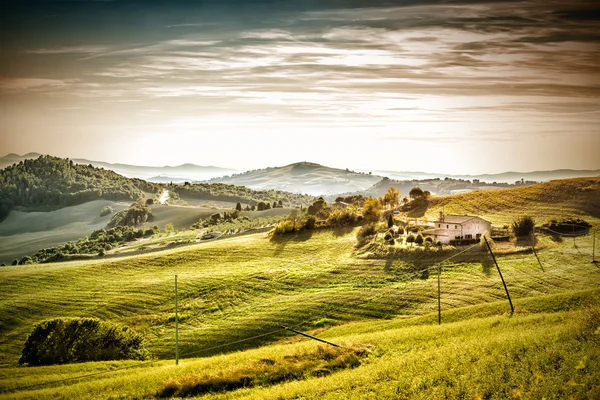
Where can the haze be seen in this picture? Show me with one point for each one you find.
(454, 87)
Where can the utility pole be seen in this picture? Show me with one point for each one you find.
(439, 268)
(512, 309)
(176, 326)
(594, 246)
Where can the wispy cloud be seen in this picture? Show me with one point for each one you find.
(452, 66)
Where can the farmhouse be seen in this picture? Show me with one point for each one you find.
(456, 227)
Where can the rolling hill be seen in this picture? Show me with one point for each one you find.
(507, 177)
(234, 295)
(165, 174)
(303, 177)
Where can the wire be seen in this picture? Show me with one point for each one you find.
(143, 364)
(232, 343)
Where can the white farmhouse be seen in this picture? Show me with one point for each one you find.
(456, 227)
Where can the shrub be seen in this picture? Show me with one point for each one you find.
(523, 226)
(410, 238)
(365, 231)
(284, 227)
(169, 229)
(106, 211)
(372, 209)
(419, 239)
(310, 222)
(73, 340)
(342, 217)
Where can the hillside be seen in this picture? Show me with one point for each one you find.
(246, 287)
(507, 177)
(165, 174)
(50, 183)
(303, 177)
(234, 294)
(556, 199)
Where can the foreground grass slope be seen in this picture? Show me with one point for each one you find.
(550, 348)
(245, 286)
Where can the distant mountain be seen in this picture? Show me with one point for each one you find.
(13, 158)
(180, 173)
(303, 177)
(507, 177)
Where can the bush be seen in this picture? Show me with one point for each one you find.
(419, 239)
(523, 226)
(106, 211)
(73, 340)
(372, 209)
(310, 222)
(284, 227)
(342, 217)
(410, 238)
(365, 231)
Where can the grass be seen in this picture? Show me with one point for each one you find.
(561, 198)
(243, 287)
(481, 354)
(24, 233)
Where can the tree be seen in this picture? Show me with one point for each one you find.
(372, 209)
(416, 193)
(238, 207)
(169, 229)
(419, 239)
(426, 194)
(390, 221)
(391, 197)
(70, 340)
(293, 218)
(410, 238)
(318, 205)
(523, 226)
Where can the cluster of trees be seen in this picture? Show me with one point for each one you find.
(52, 182)
(96, 243)
(74, 340)
(241, 194)
(136, 214)
(219, 218)
(261, 206)
(320, 214)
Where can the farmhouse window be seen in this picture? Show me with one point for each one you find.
(447, 226)
(455, 226)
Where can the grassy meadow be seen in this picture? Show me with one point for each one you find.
(245, 287)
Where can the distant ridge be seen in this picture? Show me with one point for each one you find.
(303, 177)
(179, 173)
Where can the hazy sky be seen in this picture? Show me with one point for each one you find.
(437, 86)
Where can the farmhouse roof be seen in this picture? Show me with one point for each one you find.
(457, 219)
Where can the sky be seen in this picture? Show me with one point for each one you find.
(435, 86)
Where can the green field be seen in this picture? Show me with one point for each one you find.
(246, 287)
(24, 233)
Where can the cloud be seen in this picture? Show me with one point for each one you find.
(438, 63)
